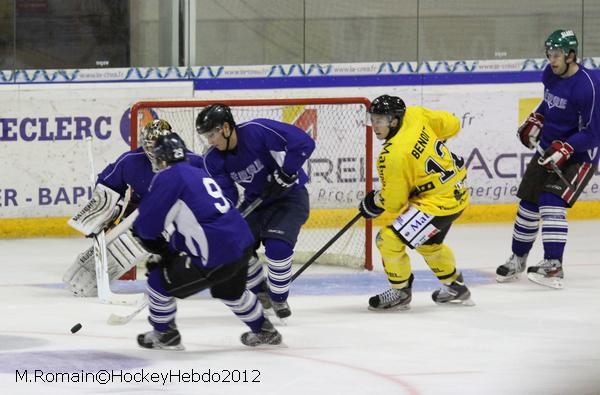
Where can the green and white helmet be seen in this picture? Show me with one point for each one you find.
(562, 39)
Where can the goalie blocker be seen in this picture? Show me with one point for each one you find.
(104, 207)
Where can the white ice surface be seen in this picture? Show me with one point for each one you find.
(520, 338)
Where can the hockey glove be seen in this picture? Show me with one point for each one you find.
(163, 255)
(279, 183)
(368, 208)
(558, 153)
(529, 132)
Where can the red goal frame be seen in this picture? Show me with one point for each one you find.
(135, 109)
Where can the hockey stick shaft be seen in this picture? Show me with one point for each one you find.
(115, 319)
(326, 246)
(99, 239)
(555, 168)
(105, 295)
(251, 207)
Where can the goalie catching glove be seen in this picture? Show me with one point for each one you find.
(104, 207)
(529, 132)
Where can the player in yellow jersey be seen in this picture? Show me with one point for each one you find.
(422, 183)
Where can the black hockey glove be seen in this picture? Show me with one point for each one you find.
(279, 183)
(159, 247)
(368, 208)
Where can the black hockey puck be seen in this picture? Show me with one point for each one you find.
(76, 328)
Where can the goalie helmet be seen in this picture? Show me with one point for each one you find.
(562, 39)
(214, 116)
(152, 131)
(170, 148)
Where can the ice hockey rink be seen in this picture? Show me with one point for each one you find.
(520, 338)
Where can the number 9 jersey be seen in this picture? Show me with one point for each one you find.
(186, 206)
(416, 168)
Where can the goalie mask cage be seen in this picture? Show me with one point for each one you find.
(340, 169)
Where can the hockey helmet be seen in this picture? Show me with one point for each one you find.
(393, 107)
(170, 148)
(152, 131)
(562, 39)
(388, 105)
(213, 116)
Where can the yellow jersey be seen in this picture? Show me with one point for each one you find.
(416, 168)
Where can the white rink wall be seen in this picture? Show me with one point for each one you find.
(43, 126)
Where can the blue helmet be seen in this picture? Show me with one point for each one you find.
(170, 148)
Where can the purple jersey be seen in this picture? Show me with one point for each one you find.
(133, 169)
(263, 145)
(571, 113)
(188, 205)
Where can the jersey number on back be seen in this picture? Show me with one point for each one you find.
(214, 190)
(431, 166)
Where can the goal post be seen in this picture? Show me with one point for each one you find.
(340, 169)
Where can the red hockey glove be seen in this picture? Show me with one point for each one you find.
(558, 153)
(529, 132)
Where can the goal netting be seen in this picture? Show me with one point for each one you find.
(339, 169)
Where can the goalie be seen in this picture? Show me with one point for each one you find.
(135, 170)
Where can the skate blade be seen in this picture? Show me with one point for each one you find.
(506, 279)
(178, 347)
(553, 282)
(468, 303)
(283, 321)
(267, 345)
(390, 309)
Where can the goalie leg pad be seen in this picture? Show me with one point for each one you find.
(80, 277)
(123, 253)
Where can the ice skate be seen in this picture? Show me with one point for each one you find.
(263, 296)
(510, 271)
(282, 310)
(454, 293)
(267, 335)
(391, 300)
(548, 273)
(168, 340)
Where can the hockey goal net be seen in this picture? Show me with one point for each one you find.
(339, 169)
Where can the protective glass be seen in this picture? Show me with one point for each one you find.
(379, 120)
(555, 53)
(213, 132)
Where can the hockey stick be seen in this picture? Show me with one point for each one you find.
(326, 246)
(252, 206)
(105, 295)
(558, 172)
(115, 319)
